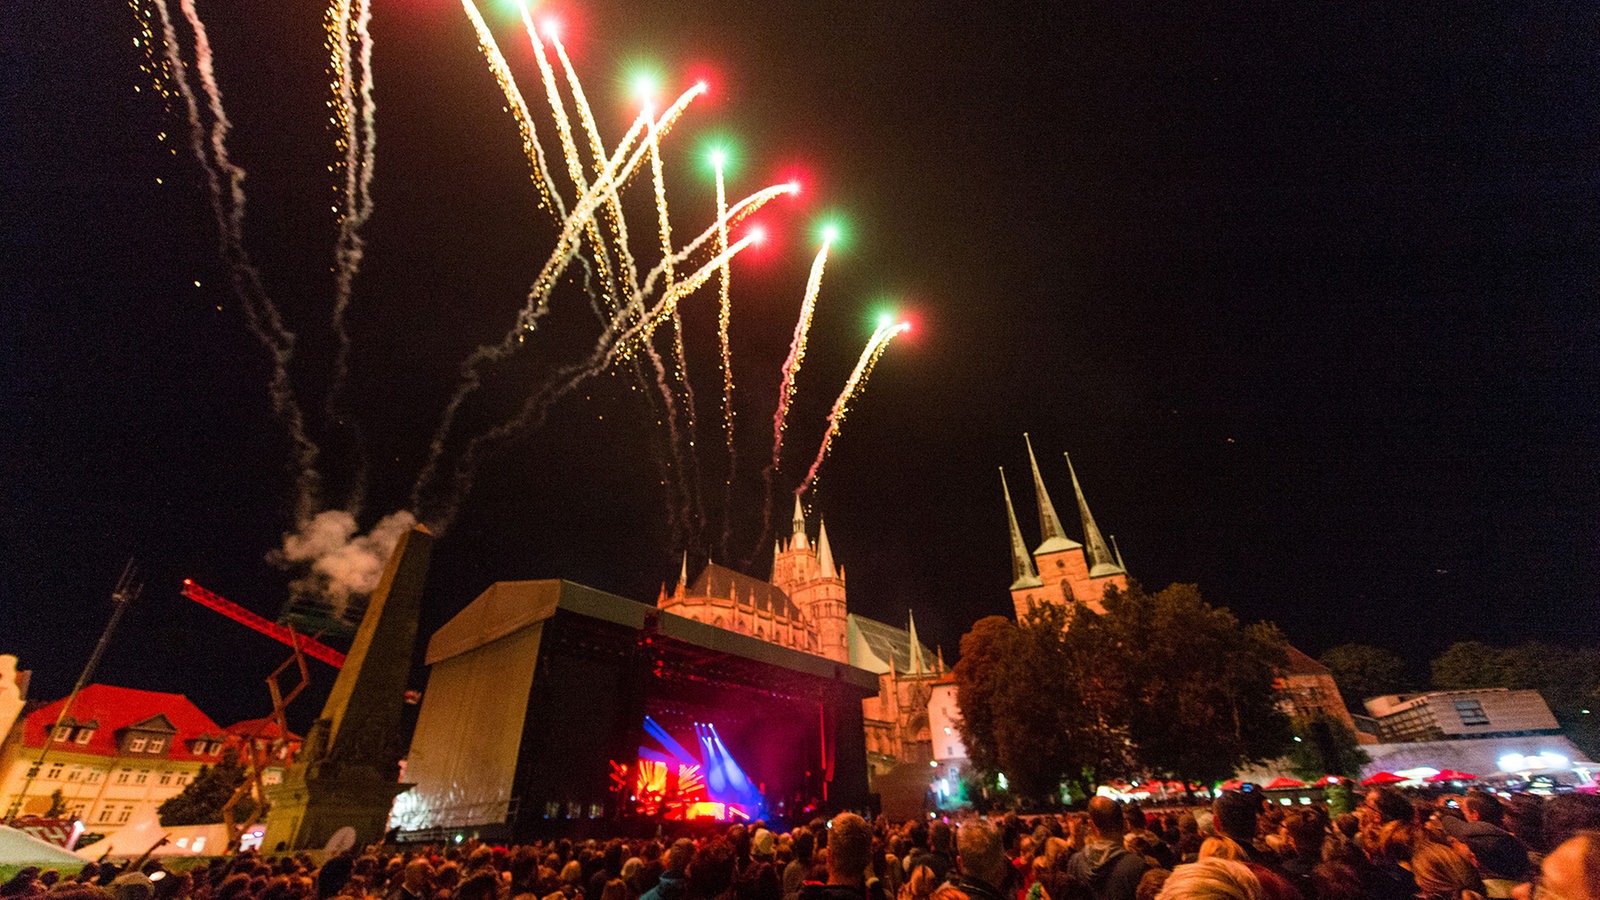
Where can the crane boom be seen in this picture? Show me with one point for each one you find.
(312, 648)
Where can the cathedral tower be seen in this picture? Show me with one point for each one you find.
(815, 584)
(1061, 570)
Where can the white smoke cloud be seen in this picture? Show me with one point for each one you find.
(338, 562)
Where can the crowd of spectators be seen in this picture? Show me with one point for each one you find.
(1393, 847)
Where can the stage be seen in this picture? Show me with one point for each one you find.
(553, 708)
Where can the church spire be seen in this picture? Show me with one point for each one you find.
(799, 532)
(1118, 551)
(683, 573)
(1022, 572)
(1101, 561)
(824, 553)
(1053, 539)
(918, 665)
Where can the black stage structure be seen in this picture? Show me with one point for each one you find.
(538, 694)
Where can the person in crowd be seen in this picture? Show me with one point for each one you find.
(937, 856)
(1213, 878)
(1442, 874)
(674, 878)
(416, 882)
(1217, 847)
(981, 858)
(1151, 883)
(849, 856)
(1570, 872)
(1104, 864)
(920, 886)
(1305, 831)
(794, 874)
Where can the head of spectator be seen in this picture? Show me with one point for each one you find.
(483, 885)
(712, 869)
(1212, 879)
(763, 846)
(1219, 847)
(1444, 875)
(1570, 872)
(1151, 883)
(679, 855)
(1337, 880)
(849, 849)
(1306, 831)
(940, 838)
(1106, 819)
(1385, 804)
(1482, 806)
(1234, 815)
(981, 855)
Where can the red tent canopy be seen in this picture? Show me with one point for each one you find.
(1233, 785)
(1450, 775)
(1382, 778)
(1282, 783)
(1327, 780)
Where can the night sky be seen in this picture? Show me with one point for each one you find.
(1309, 294)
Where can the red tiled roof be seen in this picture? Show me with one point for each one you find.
(1302, 664)
(265, 728)
(114, 708)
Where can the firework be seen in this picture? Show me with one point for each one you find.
(852, 389)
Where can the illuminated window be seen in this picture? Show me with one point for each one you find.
(1471, 712)
(157, 745)
(136, 745)
(84, 734)
(63, 732)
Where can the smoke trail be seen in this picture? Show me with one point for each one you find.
(537, 303)
(337, 564)
(852, 388)
(616, 342)
(354, 111)
(228, 206)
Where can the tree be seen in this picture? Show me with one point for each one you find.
(201, 800)
(1200, 689)
(1324, 745)
(1567, 678)
(1161, 684)
(58, 805)
(1362, 671)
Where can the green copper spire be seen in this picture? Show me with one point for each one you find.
(1052, 537)
(1101, 562)
(1022, 572)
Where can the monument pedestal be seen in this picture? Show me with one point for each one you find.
(349, 768)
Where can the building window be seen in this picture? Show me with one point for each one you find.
(94, 776)
(122, 777)
(105, 814)
(136, 745)
(142, 777)
(157, 745)
(125, 815)
(1471, 712)
(63, 732)
(53, 772)
(84, 734)
(164, 779)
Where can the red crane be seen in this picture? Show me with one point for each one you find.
(309, 646)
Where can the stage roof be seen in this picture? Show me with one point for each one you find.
(509, 606)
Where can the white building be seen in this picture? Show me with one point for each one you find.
(1452, 715)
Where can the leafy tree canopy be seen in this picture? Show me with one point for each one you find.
(201, 800)
(1362, 671)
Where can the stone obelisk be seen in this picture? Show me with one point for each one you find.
(348, 770)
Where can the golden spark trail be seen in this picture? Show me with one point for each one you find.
(852, 389)
(538, 299)
(740, 211)
(531, 147)
(614, 343)
(569, 150)
(619, 225)
(724, 314)
(797, 352)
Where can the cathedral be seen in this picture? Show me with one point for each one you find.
(1060, 570)
(803, 607)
